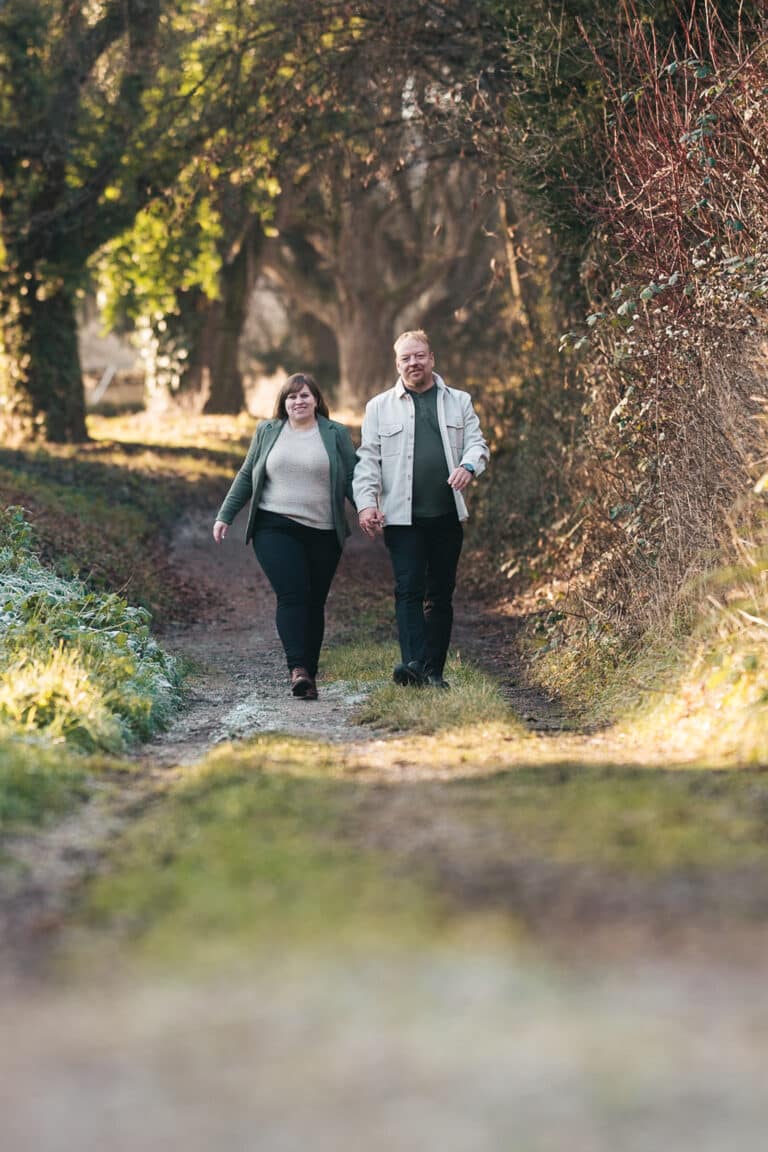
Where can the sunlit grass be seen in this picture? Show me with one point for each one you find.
(359, 662)
(176, 429)
(702, 698)
(473, 698)
(79, 670)
(695, 687)
(57, 697)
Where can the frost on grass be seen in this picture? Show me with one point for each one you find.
(75, 665)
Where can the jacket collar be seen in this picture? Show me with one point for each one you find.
(400, 388)
(276, 422)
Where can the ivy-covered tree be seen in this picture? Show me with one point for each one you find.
(71, 96)
(104, 103)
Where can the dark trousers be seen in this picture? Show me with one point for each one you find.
(299, 563)
(425, 556)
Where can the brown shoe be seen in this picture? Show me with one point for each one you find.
(311, 692)
(301, 682)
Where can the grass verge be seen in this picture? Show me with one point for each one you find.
(696, 686)
(104, 511)
(473, 698)
(80, 671)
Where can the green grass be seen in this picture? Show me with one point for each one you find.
(624, 820)
(473, 699)
(79, 670)
(359, 661)
(250, 857)
(37, 782)
(104, 511)
(75, 665)
(279, 848)
(84, 573)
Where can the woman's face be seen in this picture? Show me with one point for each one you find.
(301, 406)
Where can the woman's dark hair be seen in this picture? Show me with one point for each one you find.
(295, 383)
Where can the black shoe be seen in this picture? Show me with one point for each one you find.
(435, 681)
(411, 674)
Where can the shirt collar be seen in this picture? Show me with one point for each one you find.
(400, 388)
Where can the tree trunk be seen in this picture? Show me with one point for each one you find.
(196, 329)
(226, 392)
(238, 276)
(365, 333)
(42, 383)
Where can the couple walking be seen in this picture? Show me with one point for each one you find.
(421, 448)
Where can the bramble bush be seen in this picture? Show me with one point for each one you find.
(673, 351)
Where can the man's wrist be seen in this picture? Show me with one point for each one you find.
(469, 468)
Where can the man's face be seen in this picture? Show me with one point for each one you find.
(415, 363)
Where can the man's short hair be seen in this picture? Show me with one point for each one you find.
(413, 334)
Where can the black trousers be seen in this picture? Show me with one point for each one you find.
(299, 563)
(425, 556)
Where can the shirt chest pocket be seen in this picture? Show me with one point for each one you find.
(391, 439)
(455, 436)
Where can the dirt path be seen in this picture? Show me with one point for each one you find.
(638, 1048)
(240, 683)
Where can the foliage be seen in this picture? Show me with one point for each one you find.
(163, 276)
(78, 666)
(104, 107)
(672, 353)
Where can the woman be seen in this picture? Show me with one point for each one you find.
(296, 475)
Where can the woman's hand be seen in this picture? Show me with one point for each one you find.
(371, 521)
(219, 531)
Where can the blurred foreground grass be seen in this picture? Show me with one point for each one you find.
(283, 845)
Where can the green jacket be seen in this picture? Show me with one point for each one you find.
(248, 483)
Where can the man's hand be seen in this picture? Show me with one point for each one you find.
(459, 479)
(219, 531)
(371, 521)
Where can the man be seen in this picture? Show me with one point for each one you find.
(421, 448)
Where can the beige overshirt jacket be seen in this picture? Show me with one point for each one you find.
(383, 476)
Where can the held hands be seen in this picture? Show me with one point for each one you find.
(459, 479)
(219, 531)
(371, 521)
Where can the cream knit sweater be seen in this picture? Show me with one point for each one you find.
(297, 480)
